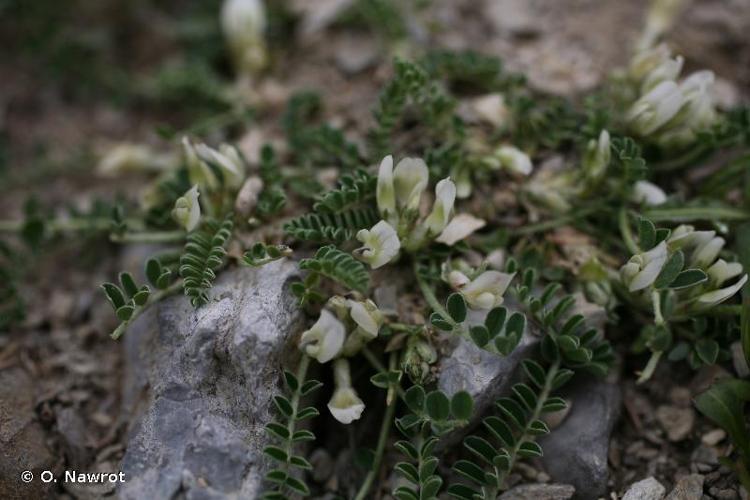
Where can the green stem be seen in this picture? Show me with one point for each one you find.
(375, 362)
(380, 448)
(743, 474)
(149, 237)
(553, 223)
(525, 435)
(153, 298)
(300, 375)
(431, 299)
(625, 231)
(648, 371)
(60, 225)
(681, 161)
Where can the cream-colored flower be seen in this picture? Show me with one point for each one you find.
(698, 111)
(645, 61)
(685, 236)
(227, 159)
(667, 70)
(722, 271)
(460, 226)
(125, 158)
(367, 316)
(243, 23)
(325, 339)
(385, 194)
(442, 209)
(597, 157)
(710, 299)
(187, 209)
(486, 290)
(409, 181)
(514, 160)
(647, 193)
(380, 245)
(706, 252)
(656, 108)
(642, 269)
(198, 171)
(345, 405)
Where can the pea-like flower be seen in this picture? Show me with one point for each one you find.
(380, 245)
(667, 70)
(345, 405)
(648, 193)
(187, 209)
(655, 108)
(385, 194)
(125, 158)
(460, 226)
(198, 171)
(722, 271)
(243, 23)
(325, 339)
(409, 182)
(514, 160)
(646, 61)
(685, 236)
(710, 299)
(367, 316)
(597, 157)
(229, 161)
(486, 290)
(706, 251)
(442, 210)
(642, 269)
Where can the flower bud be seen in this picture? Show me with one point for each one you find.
(243, 23)
(418, 356)
(381, 245)
(385, 194)
(597, 157)
(514, 160)
(486, 290)
(125, 158)
(722, 271)
(325, 339)
(642, 269)
(198, 171)
(705, 253)
(345, 405)
(647, 193)
(666, 70)
(187, 209)
(227, 159)
(685, 236)
(645, 61)
(409, 181)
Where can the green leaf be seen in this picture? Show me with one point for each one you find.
(530, 449)
(278, 430)
(743, 253)
(501, 430)
(462, 405)
(554, 404)
(513, 411)
(125, 312)
(338, 266)
(440, 323)
(415, 398)
(538, 428)
(708, 350)
(300, 462)
(481, 448)
(516, 325)
(461, 491)
(303, 435)
(525, 396)
(284, 406)
(646, 234)
(437, 405)
(276, 453)
(470, 471)
(688, 278)
(456, 306)
(495, 321)
(128, 283)
(405, 493)
(308, 412)
(671, 270)
(310, 386)
(407, 449)
(430, 487)
(114, 295)
(297, 486)
(535, 372)
(409, 471)
(724, 403)
(479, 335)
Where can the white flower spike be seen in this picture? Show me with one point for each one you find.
(642, 270)
(345, 405)
(325, 339)
(409, 181)
(187, 209)
(380, 245)
(648, 193)
(486, 290)
(442, 210)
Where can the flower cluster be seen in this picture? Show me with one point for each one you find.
(669, 112)
(210, 168)
(702, 247)
(341, 331)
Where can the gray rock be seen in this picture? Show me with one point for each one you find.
(688, 487)
(576, 452)
(539, 492)
(22, 439)
(199, 384)
(647, 489)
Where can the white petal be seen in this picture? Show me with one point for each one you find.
(722, 271)
(461, 226)
(325, 339)
(381, 244)
(706, 253)
(717, 296)
(648, 193)
(345, 405)
(410, 180)
(654, 261)
(445, 197)
(487, 289)
(385, 195)
(514, 160)
(364, 318)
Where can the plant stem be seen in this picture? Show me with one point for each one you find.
(648, 371)
(300, 375)
(149, 237)
(60, 225)
(375, 362)
(525, 436)
(553, 223)
(380, 448)
(431, 299)
(627, 234)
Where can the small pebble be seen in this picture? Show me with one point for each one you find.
(647, 489)
(688, 487)
(676, 422)
(714, 437)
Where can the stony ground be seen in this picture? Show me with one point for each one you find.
(60, 375)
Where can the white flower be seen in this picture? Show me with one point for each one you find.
(666, 70)
(243, 23)
(646, 61)
(656, 108)
(457, 279)
(198, 171)
(345, 405)
(409, 181)
(597, 157)
(707, 251)
(722, 271)
(715, 297)
(367, 316)
(385, 195)
(486, 290)
(686, 236)
(187, 209)
(647, 193)
(492, 109)
(227, 159)
(642, 269)
(325, 339)
(699, 110)
(514, 160)
(460, 226)
(133, 158)
(381, 245)
(442, 209)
